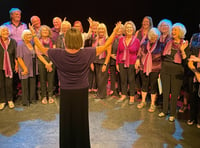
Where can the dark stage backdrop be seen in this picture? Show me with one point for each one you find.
(107, 11)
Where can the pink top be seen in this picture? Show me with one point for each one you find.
(127, 54)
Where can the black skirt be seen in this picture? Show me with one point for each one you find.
(74, 122)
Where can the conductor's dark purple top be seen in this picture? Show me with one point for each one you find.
(73, 68)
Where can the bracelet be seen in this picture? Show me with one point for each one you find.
(34, 35)
(105, 64)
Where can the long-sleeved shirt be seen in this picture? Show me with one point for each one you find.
(133, 48)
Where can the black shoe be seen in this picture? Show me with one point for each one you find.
(33, 102)
(26, 104)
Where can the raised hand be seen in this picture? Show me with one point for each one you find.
(31, 29)
(90, 21)
(117, 27)
(184, 45)
(65, 18)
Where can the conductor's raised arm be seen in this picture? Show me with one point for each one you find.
(100, 49)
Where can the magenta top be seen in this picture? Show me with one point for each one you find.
(127, 54)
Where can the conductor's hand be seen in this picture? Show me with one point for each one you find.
(117, 27)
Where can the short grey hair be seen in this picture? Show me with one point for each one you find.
(167, 22)
(26, 31)
(35, 16)
(132, 24)
(57, 18)
(153, 31)
(182, 29)
(4, 27)
(14, 9)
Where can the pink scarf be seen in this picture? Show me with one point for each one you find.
(171, 45)
(6, 61)
(125, 57)
(164, 39)
(103, 54)
(148, 59)
(48, 43)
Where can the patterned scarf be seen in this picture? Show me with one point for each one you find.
(148, 59)
(171, 45)
(6, 61)
(125, 57)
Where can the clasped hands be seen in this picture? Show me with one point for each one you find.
(49, 67)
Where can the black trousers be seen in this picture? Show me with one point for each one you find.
(101, 80)
(114, 77)
(91, 79)
(28, 90)
(149, 81)
(6, 88)
(44, 78)
(74, 122)
(195, 104)
(127, 77)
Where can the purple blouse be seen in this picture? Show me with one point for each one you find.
(73, 69)
(132, 48)
(156, 56)
(28, 56)
(16, 31)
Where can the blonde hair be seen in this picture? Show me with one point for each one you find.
(102, 25)
(73, 39)
(182, 29)
(67, 23)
